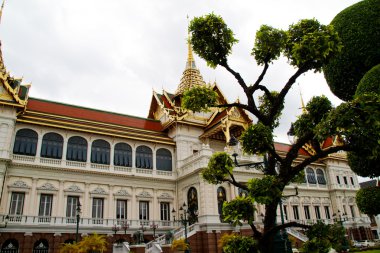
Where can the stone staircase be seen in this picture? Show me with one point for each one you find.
(297, 234)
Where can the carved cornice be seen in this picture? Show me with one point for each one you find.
(99, 190)
(19, 184)
(47, 187)
(73, 188)
(122, 192)
(165, 195)
(144, 194)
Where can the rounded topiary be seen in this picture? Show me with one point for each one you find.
(368, 200)
(359, 28)
(370, 82)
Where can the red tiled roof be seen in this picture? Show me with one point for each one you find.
(286, 147)
(72, 111)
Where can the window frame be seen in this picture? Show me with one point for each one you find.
(52, 146)
(25, 142)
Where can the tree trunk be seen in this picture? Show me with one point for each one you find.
(266, 243)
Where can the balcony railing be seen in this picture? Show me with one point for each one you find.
(58, 163)
(26, 220)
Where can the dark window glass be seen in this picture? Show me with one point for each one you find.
(121, 209)
(144, 157)
(97, 210)
(345, 180)
(100, 152)
(17, 203)
(77, 149)
(52, 144)
(307, 212)
(144, 210)
(310, 176)
(164, 159)
(46, 202)
(338, 179)
(123, 155)
(25, 142)
(10, 246)
(72, 203)
(352, 211)
(352, 181)
(165, 211)
(317, 212)
(295, 213)
(285, 212)
(41, 246)
(321, 177)
(327, 212)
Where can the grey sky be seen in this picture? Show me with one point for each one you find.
(109, 55)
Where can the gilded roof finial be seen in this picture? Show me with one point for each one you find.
(190, 58)
(303, 107)
(1, 10)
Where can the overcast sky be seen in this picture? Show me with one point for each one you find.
(110, 55)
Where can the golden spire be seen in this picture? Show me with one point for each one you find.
(1, 10)
(303, 107)
(191, 75)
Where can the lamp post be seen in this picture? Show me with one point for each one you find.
(78, 213)
(173, 214)
(154, 226)
(115, 228)
(184, 220)
(142, 232)
(338, 218)
(125, 226)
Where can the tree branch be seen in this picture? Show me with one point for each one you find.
(256, 233)
(260, 78)
(234, 182)
(283, 226)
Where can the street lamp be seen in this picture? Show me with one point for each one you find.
(234, 143)
(154, 226)
(115, 228)
(338, 218)
(142, 232)
(78, 213)
(184, 220)
(125, 226)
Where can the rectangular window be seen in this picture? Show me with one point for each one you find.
(16, 206)
(317, 212)
(121, 209)
(71, 208)
(352, 180)
(338, 179)
(144, 210)
(344, 210)
(307, 212)
(285, 212)
(327, 212)
(345, 180)
(97, 210)
(352, 211)
(44, 212)
(165, 211)
(295, 213)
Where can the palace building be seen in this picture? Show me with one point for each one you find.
(131, 175)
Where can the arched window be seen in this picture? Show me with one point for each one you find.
(192, 201)
(52, 144)
(25, 142)
(100, 152)
(123, 155)
(221, 196)
(310, 176)
(321, 177)
(77, 149)
(10, 246)
(144, 157)
(41, 246)
(164, 159)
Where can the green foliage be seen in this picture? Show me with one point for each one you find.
(180, 244)
(266, 105)
(310, 44)
(199, 98)
(269, 43)
(299, 178)
(317, 109)
(257, 138)
(233, 243)
(368, 200)
(364, 165)
(264, 190)
(322, 237)
(359, 28)
(238, 210)
(370, 82)
(211, 39)
(218, 169)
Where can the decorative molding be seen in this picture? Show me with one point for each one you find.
(47, 187)
(165, 195)
(122, 192)
(144, 194)
(99, 190)
(306, 200)
(19, 184)
(73, 188)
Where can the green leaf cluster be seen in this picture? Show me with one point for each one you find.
(269, 43)
(266, 106)
(219, 168)
(310, 44)
(264, 190)
(359, 28)
(317, 109)
(368, 200)
(238, 210)
(233, 243)
(370, 82)
(211, 39)
(257, 139)
(199, 98)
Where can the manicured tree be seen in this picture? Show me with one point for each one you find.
(359, 28)
(368, 200)
(307, 45)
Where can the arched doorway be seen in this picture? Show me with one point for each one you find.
(192, 201)
(41, 246)
(10, 246)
